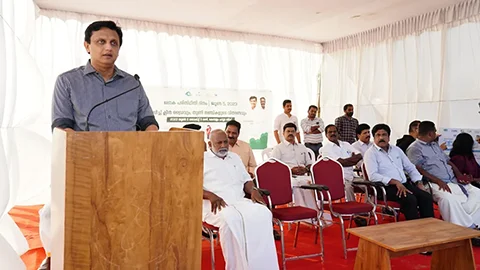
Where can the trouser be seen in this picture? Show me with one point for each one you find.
(419, 201)
(315, 147)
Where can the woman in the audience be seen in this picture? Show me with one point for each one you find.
(462, 156)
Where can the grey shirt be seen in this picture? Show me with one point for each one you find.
(432, 159)
(78, 90)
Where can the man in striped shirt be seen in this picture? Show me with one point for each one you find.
(313, 127)
(347, 125)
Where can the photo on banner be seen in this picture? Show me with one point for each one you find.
(213, 108)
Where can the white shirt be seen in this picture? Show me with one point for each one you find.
(362, 147)
(224, 177)
(333, 151)
(283, 119)
(293, 155)
(307, 124)
(383, 166)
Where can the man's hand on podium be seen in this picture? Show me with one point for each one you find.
(152, 128)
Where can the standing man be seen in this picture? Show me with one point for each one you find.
(313, 127)
(240, 147)
(346, 125)
(284, 118)
(77, 91)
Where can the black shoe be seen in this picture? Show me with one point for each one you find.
(276, 236)
(387, 211)
(426, 253)
(361, 222)
(45, 264)
(476, 241)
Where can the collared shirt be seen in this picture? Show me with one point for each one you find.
(224, 177)
(294, 155)
(383, 166)
(308, 136)
(245, 152)
(432, 159)
(283, 119)
(346, 128)
(362, 147)
(77, 91)
(343, 150)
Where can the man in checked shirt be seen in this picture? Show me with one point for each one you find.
(346, 125)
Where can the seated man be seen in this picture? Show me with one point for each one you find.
(295, 155)
(363, 142)
(345, 154)
(245, 225)
(240, 147)
(386, 163)
(408, 139)
(458, 200)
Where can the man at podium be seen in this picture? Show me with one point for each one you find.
(97, 97)
(245, 225)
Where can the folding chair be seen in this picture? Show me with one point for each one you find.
(328, 172)
(384, 204)
(275, 176)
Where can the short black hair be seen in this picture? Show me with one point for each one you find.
(286, 101)
(425, 127)
(361, 128)
(378, 127)
(234, 123)
(192, 126)
(289, 125)
(329, 126)
(313, 106)
(263, 98)
(253, 97)
(413, 125)
(95, 26)
(345, 107)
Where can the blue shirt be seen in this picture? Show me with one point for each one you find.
(432, 159)
(383, 166)
(78, 90)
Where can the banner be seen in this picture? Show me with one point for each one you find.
(449, 135)
(213, 108)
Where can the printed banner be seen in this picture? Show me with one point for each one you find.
(212, 108)
(449, 135)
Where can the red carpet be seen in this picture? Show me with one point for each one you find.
(27, 219)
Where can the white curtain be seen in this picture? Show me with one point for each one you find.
(430, 76)
(37, 45)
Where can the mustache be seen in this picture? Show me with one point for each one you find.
(290, 135)
(231, 138)
(223, 150)
(382, 141)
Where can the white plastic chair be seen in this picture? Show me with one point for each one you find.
(266, 153)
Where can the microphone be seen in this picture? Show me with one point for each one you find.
(87, 128)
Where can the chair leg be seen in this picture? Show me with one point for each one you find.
(344, 242)
(349, 226)
(296, 234)
(282, 241)
(320, 229)
(375, 219)
(212, 249)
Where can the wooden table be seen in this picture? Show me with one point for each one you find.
(450, 243)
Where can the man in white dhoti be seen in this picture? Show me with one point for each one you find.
(245, 225)
(458, 200)
(295, 155)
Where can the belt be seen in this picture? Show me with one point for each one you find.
(313, 143)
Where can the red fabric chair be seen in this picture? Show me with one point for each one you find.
(384, 204)
(328, 172)
(275, 176)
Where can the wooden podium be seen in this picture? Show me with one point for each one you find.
(127, 200)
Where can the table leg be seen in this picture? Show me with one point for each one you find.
(371, 256)
(460, 257)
